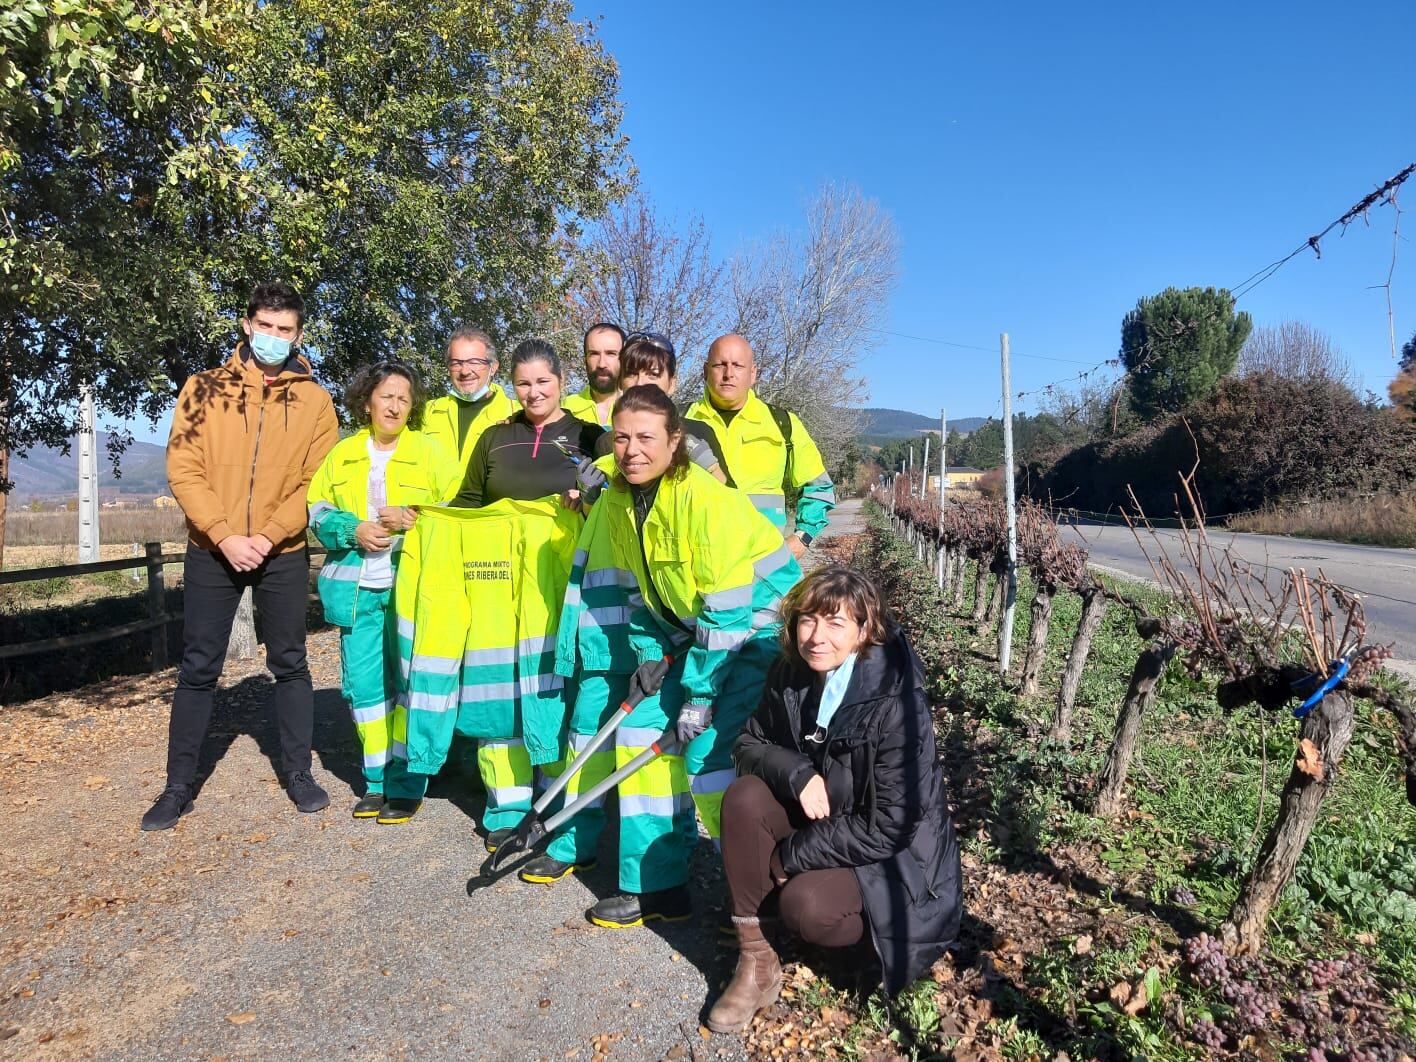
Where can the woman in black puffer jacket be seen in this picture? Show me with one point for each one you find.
(840, 801)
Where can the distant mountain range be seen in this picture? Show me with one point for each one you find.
(880, 423)
(44, 472)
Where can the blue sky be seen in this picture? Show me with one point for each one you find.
(1045, 164)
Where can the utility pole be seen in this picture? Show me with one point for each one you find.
(1010, 594)
(924, 471)
(943, 456)
(88, 479)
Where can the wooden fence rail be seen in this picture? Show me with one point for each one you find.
(157, 615)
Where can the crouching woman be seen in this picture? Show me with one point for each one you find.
(839, 806)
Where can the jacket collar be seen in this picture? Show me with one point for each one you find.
(754, 410)
(887, 670)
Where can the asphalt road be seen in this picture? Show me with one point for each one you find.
(1386, 578)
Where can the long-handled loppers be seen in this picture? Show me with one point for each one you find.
(534, 829)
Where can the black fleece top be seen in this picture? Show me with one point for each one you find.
(516, 459)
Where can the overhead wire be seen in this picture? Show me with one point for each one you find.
(1383, 193)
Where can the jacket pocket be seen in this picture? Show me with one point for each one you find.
(904, 868)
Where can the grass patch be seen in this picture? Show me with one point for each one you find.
(1084, 951)
(1379, 520)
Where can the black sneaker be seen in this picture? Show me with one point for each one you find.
(306, 792)
(546, 869)
(497, 838)
(630, 909)
(368, 806)
(174, 802)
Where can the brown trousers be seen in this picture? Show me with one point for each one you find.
(821, 906)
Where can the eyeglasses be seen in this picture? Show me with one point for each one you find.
(454, 364)
(654, 339)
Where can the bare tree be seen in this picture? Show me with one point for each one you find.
(1296, 350)
(809, 303)
(642, 271)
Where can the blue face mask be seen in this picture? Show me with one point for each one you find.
(475, 396)
(270, 351)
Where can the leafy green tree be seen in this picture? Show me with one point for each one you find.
(1408, 354)
(409, 165)
(436, 157)
(120, 188)
(1178, 345)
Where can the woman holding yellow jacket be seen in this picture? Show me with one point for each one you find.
(671, 560)
(527, 460)
(359, 509)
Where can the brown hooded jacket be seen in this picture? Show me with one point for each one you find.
(242, 452)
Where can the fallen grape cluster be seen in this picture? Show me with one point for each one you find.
(1332, 1006)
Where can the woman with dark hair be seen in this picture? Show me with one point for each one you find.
(840, 808)
(533, 453)
(671, 562)
(519, 471)
(649, 358)
(361, 503)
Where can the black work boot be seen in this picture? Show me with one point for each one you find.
(630, 909)
(306, 792)
(369, 805)
(174, 802)
(497, 838)
(397, 811)
(546, 869)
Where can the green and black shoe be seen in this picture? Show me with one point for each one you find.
(630, 909)
(546, 870)
(398, 810)
(369, 806)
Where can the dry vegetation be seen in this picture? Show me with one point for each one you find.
(114, 525)
(1378, 520)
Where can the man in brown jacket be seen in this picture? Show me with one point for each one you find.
(247, 438)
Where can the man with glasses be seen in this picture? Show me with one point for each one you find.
(472, 403)
(593, 403)
(765, 449)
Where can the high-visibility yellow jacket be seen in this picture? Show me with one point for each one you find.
(716, 574)
(421, 471)
(755, 453)
(582, 405)
(479, 597)
(440, 420)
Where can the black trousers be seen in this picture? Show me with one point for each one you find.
(211, 592)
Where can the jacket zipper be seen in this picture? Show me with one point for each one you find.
(255, 456)
(536, 446)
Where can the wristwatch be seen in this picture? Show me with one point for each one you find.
(806, 539)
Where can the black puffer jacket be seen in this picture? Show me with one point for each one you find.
(889, 821)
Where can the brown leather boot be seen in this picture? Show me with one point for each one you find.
(756, 981)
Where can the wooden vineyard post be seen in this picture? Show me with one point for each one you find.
(1093, 612)
(157, 606)
(1323, 740)
(1037, 637)
(1145, 678)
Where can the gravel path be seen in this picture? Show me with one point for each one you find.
(251, 930)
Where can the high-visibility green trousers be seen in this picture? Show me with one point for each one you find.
(657, 827)
(505, 769)
(709, 756)
(368, 658)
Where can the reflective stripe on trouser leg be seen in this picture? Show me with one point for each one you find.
(505, 767)
(368, 659)
(657, 828)
(598, 696)
(399, 782)
(709, 757)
